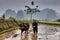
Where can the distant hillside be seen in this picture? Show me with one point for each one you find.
(10, 13)
(58, 15)
(20, 15)
(45, 14)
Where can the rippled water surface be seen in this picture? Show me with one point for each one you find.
(45, 32)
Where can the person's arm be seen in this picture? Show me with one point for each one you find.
(33, 24)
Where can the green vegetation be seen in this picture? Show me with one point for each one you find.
(11, 24)
(50, 22)
(31, 10)
(7, 30)
(58, 20)
(3, 17)
(7, 24)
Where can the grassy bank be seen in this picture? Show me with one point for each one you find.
(49, 22)
(7, 30)
(7, 25)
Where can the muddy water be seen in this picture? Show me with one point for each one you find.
(7, 34)
(45, 32)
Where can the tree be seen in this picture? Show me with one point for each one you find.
(11, 18)
(3, 17)
(30, 10)
(58, 20)
(32, 3)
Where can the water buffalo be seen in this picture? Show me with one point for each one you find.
(24, 27)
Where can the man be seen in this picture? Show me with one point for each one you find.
(35, 26)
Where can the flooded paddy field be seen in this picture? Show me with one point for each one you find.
(45, 32)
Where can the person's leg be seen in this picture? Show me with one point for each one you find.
(35, 33)
(34, 30)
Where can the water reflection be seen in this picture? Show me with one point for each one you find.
(43, 31)
(25, 37)
(34, 37)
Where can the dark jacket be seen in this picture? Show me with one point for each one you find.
(35, 24)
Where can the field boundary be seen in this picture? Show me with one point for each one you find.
(50, 23)
(4, 31)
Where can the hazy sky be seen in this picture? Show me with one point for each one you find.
(19, 4)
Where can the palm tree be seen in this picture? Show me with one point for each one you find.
(30, 10)
(32, 3)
